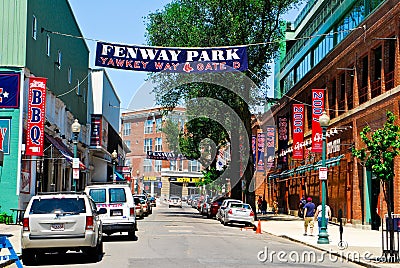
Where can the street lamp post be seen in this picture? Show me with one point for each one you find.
(76, 129)
(114, 156)
(323, 233)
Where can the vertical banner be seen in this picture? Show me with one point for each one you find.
(270, 147)
(261, 151)
(253, 148)
(317, 109)
(298, 130)
(96, 130)
(283, 137)
(36, 116)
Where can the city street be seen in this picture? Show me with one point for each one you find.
(180, 237)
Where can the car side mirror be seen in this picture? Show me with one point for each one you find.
(102, 211)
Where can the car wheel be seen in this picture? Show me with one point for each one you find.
(96, 252)
(169, 206)
(28, 257)
(131, 235)
(225, 223)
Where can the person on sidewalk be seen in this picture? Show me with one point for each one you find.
(309, 211)
(264, 206)
(259, 203)
(302, 203)
(275, 207)
(318, 216)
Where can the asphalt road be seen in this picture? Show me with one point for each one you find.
(180, 237)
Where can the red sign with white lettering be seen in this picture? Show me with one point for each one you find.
(36, 116)
(317, 109)
(298, 130)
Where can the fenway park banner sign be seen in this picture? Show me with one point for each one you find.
(158, 59)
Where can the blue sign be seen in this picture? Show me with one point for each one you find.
(175, 60)
(9, 90)
(159, 184)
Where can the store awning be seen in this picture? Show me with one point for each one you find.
(63, 149)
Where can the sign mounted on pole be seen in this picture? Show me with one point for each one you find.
(36, 116)
(175, 60)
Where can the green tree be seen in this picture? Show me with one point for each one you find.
(210, 23)
(378, 156)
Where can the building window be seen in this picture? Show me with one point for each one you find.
(148, 145)
(128, 144)
(180, 165)
(148, 127)
(70, 75)
(158, 145)
(78, 88)
(127, 129)
(172, 165)
(48, 42)
(159, 124)
(194, 166)
(34, 27)
(147, 165)
(59, 59)
(158, 165)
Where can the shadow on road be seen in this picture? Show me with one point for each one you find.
(118, 238)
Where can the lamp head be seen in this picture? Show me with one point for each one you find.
(76, 127)
(324, 119)
(114, 155)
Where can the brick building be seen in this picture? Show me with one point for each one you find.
(162, 174)
(353, 55)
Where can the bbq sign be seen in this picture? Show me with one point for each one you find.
(36, 116)
(177, 60)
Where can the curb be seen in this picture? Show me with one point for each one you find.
(368, 265)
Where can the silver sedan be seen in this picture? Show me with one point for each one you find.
(238, 213)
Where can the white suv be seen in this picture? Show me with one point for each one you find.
(58, 222)
(117, 199)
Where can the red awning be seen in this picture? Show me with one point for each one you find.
(63, 149)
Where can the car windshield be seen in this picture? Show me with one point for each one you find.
(59, 205)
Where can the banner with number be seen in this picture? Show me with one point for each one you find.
(270, 163)
(298, 130)
(283, 137)
(36, 116)
(317, 109)
(261, 152)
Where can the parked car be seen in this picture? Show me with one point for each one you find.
(58, 222)
(148, 204)
(145, 207)
(152, 200)
(205, 204)
(174, 201)
(214, 205)
(194, 201)
(138, 207)
(238, 213)
(117, 199)
(225, 203)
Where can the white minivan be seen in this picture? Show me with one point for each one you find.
(117, 199)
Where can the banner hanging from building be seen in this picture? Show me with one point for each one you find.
(317, 109)
(260, 151)
(253, 148)
(176, 60)
(9, 90)
(298, 130)
(270, 163)
(283, 137)
(36, 116)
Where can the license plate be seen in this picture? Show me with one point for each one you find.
(57, 227)
(116, 212)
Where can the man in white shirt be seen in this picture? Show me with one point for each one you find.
(318, 215)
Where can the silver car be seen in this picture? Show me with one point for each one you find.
(59, 222)
(221, 210)
(238, 213)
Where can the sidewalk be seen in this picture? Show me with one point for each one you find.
(360, 246)
(14, 233)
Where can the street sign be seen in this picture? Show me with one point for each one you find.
(323, 173)
(159, 184)
(75, 173)
(75, 163)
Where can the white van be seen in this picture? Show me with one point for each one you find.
(117, 199)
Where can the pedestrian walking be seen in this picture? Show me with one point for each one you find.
(302, 203)
(259, 203)
(264, 206)
(318, 216)
(309, 212)
(275, 207)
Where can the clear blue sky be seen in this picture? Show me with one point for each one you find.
(120, 21)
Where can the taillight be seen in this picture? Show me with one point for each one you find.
(145, 205)
(251, 213)
(25, 224)
(137, 206)
(204, 205)
(215, 204)
(89, 223)
(132, 211)
(230, 211)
